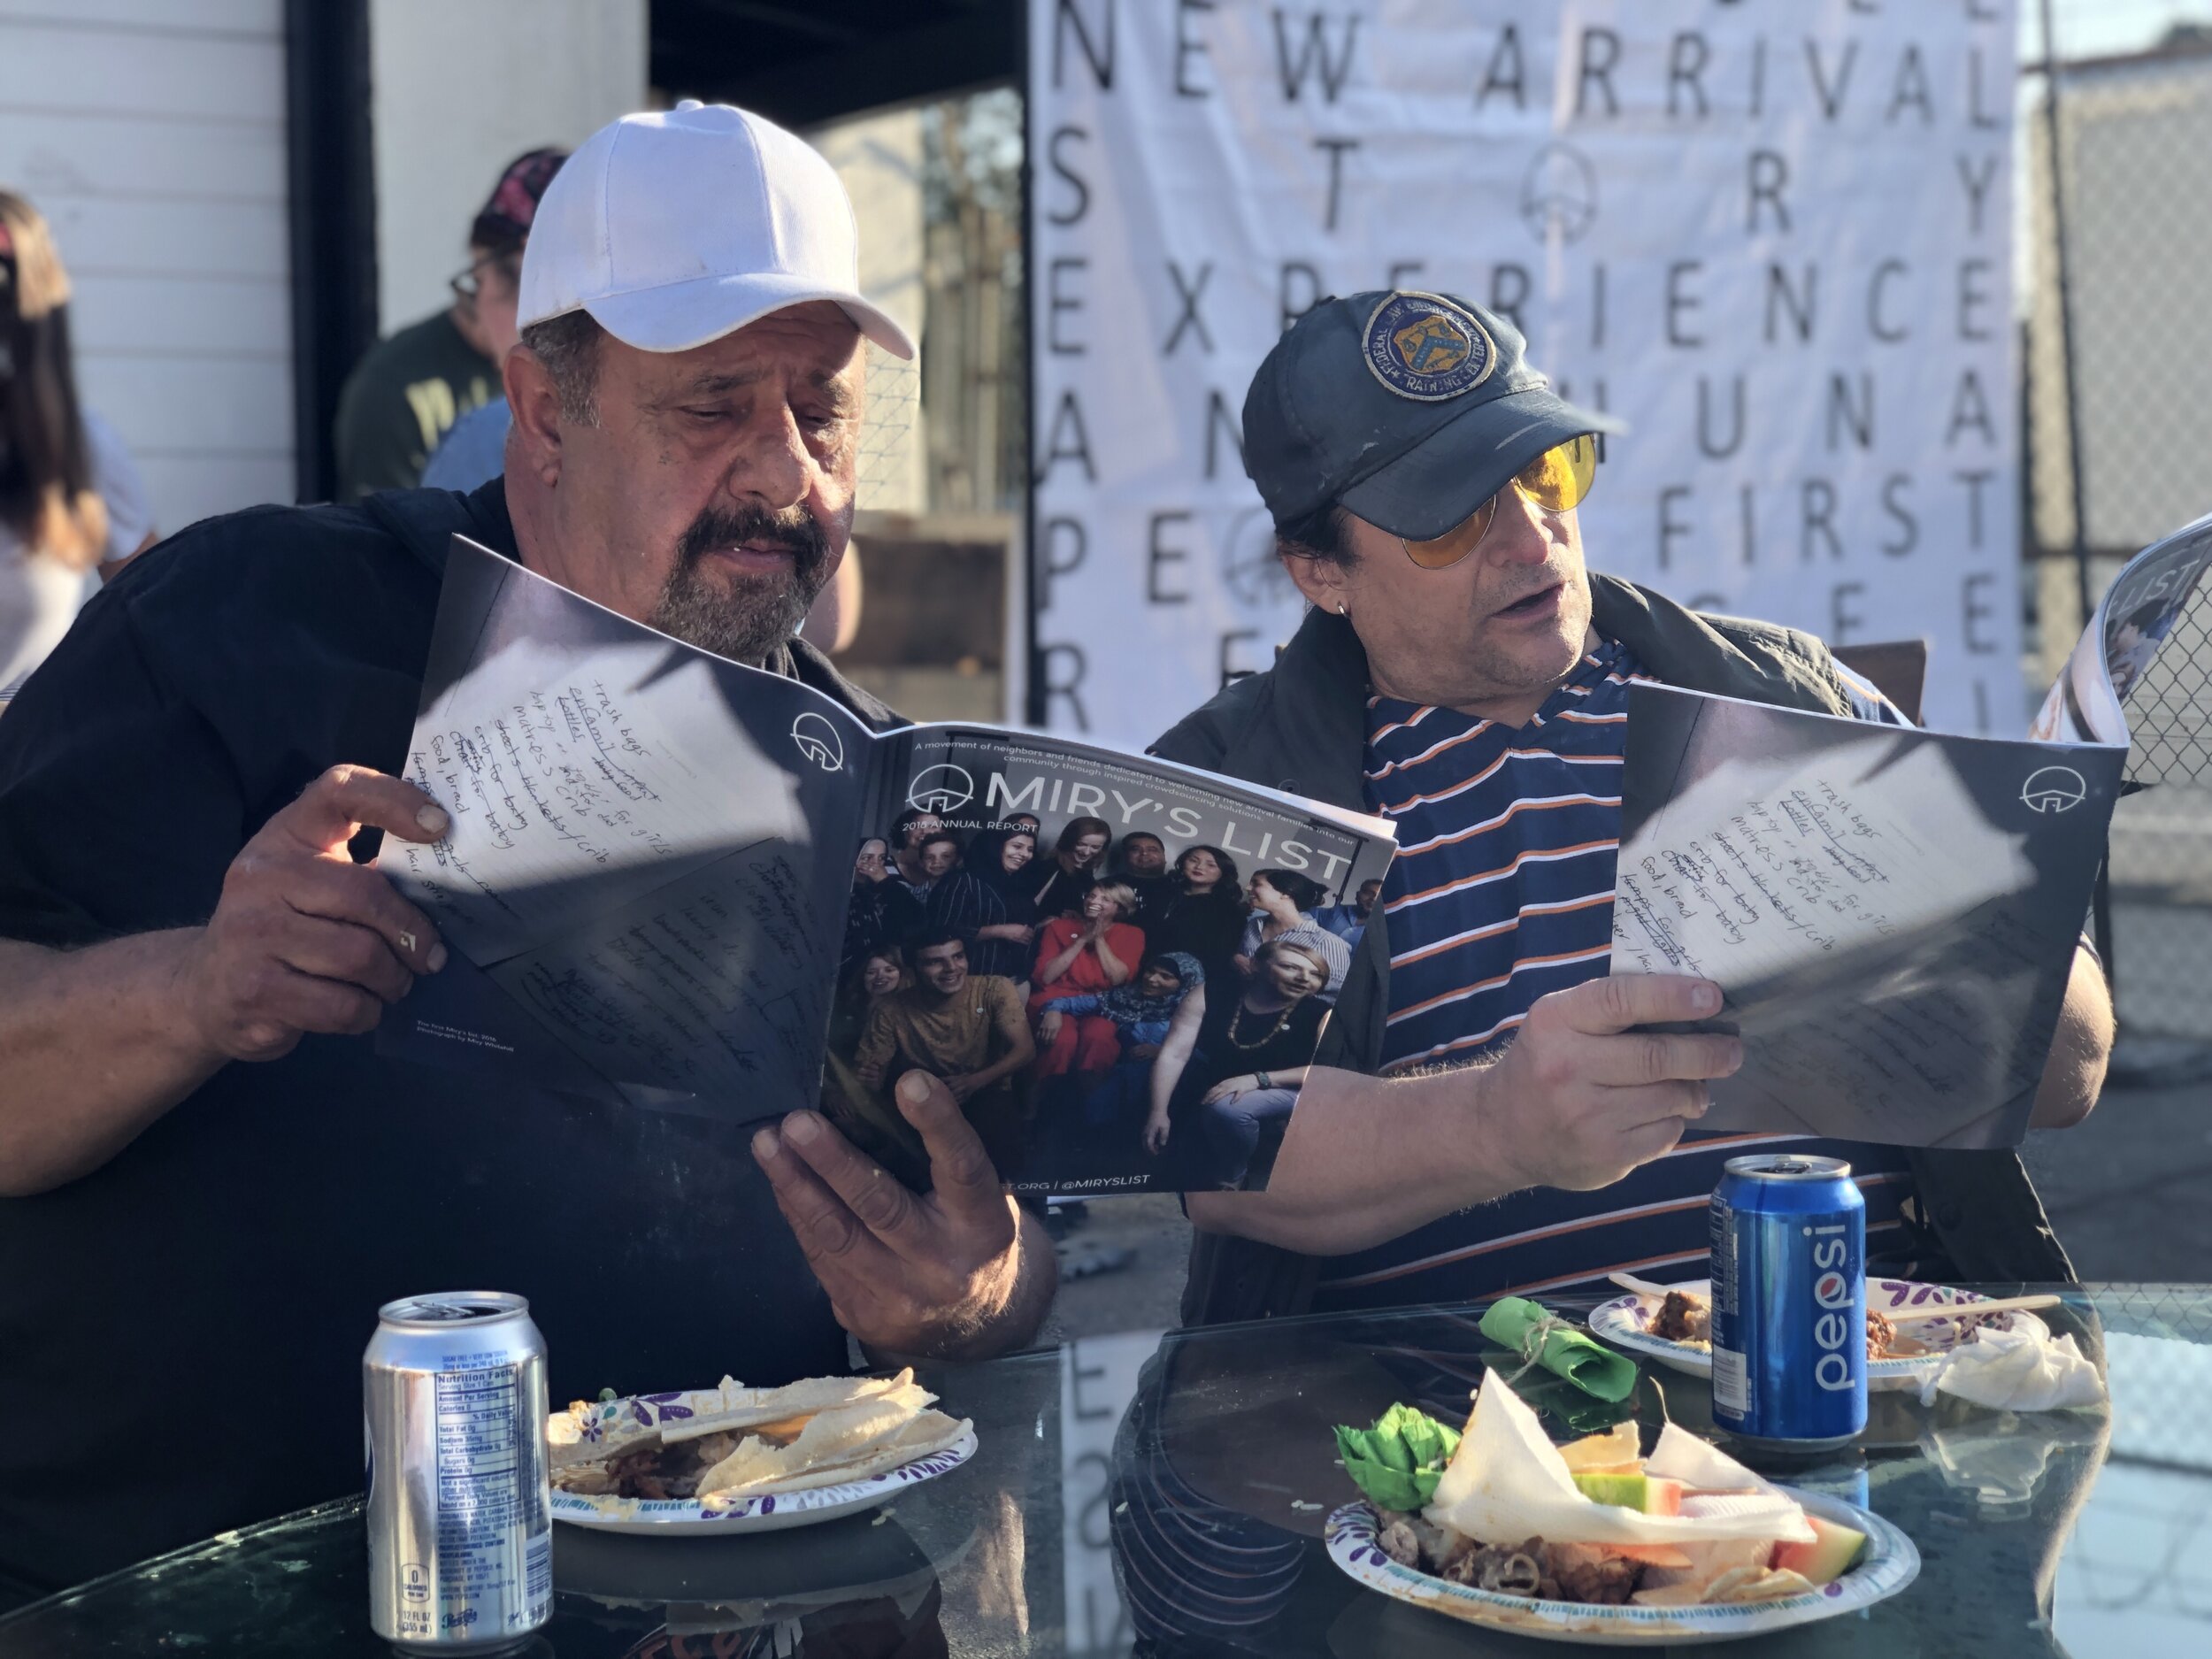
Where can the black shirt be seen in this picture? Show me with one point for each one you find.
(1233, 1039)
(1208, 925)
(184, 1326)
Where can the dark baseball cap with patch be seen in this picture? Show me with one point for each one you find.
(1410, 409)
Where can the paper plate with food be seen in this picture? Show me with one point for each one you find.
(1592, 1542)
(1908, 1329)
(733, 1459)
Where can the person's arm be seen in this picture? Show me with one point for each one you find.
(1117, 971)
(1013, 1032)
(1167, 1071)
(2080, 1050)
(1050, 1017)
(1229, 1088)
(871, 1054)
(959, 1273)
(1576, 1102)
(1249, 938)
(1052, 966)
(1023, 1052)
(97, 1043)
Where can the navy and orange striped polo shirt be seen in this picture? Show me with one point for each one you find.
(1503, 890)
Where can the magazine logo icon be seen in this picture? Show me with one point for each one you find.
(940, 789)
(819, 742)
(2053, 789)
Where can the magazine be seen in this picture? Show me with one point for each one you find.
(676, 882)
(1891, 914)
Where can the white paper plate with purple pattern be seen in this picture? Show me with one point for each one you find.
(1625, 1322)
(1888, 1563)
(771, 1512)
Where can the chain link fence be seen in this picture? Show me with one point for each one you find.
(2115, 188)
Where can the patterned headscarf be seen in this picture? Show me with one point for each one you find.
(1128, 1005)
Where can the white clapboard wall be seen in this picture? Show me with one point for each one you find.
(152, 134)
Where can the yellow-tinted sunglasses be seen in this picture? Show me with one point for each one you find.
(1555, 480)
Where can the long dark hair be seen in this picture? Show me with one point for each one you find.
(986, 851)
(1302, 890)
(46, 493)
(1228, 890)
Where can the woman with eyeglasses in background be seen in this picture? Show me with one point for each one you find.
(72, 508)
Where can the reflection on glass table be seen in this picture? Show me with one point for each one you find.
(1164, 1497)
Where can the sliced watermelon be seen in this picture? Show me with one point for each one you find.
(1647, 1494)
(1827, 1558)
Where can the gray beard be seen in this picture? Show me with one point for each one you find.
(750, 616)
(743, 622)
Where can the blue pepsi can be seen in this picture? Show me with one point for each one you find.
(1789, 1302)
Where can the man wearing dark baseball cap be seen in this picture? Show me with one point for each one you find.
(1464, 674)
(407, 392)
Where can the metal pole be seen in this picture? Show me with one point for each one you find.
(2062, 274)
(1034, 709)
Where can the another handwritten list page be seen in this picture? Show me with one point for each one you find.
(1866, 918)
(633, 857)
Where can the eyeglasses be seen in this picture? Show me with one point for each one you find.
(468, 284)
(1555, 480)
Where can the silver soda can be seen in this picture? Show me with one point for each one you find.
(460, 1514)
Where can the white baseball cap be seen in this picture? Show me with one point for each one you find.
(675, 229)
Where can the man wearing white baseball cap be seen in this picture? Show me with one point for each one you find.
(193, 1129)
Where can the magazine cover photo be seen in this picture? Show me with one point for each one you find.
(1121, 971)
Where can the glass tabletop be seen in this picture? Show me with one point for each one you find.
(1153, 1494)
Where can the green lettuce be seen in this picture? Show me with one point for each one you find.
(1398, 1463)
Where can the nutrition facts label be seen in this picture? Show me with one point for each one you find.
(483, 1513)
(1731, 1393)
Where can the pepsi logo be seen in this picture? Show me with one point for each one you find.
(1828, 1289)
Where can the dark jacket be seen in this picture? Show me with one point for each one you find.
(1301, 728)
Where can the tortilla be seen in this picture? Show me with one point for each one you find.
(799, 1401)
(927, 1432)
(835, 1436)
(1757, 1584)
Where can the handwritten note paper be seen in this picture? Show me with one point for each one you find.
(619, 770)
(1763, 867)
(1890, 913)
(635, 870)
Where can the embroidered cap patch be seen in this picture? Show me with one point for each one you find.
(1424, 347)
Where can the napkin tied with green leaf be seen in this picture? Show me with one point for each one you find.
(1541, 1338)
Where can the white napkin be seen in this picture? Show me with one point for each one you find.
(2016, 1370)
(1507, 1482)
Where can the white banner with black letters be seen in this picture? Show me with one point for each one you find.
(1772, 235)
